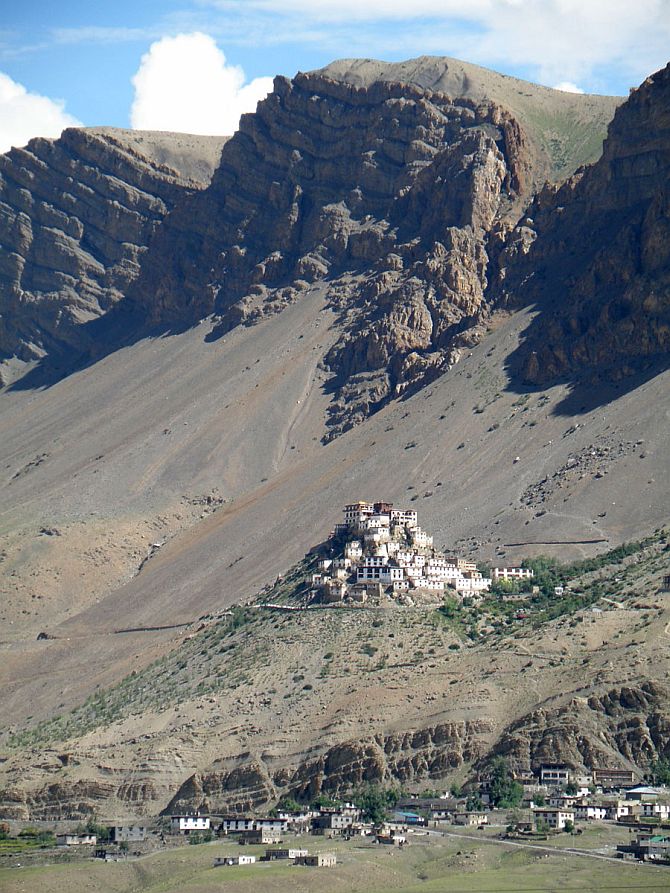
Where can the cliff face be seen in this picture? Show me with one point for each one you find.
(386, 182)
(599, 265)
(629, 722)
(387, 191)
(76, 216)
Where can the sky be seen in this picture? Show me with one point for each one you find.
(196, 65)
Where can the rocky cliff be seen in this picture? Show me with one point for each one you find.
(76, 216)
(386, 189)
(594, 254)
(629, 723)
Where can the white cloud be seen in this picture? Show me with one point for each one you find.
(593, 43)
(24, 115)
(185, 84)
(568, 87)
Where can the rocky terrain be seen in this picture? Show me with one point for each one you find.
(271, 370)
(599, 264)
(77, 214)
(384, 188)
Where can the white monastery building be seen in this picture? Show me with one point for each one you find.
(385, 547)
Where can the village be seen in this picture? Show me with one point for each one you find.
(556, 803)
(384, 552)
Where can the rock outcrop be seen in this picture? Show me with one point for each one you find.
(628, 722)
(247, 783)
(594, 255)
(76, 216)
(387, 191)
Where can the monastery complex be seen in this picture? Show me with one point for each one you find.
(385, 550)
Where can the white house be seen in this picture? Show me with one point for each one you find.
(420, 538)
(185, 824)
(590, 812)
(356, 513)
(656, 811)
(553, 817)
(234, 860)
(512, 573)
(403, 518)
(353, 550)
(76, 840)
(554, 774)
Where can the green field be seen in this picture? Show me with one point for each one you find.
(430, 864)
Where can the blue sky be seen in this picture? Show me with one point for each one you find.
(75, 61)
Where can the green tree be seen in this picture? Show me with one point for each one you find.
(375, 801)
(323, 800)
(660, 771)
(288, 804)
(102, 832)
(474, 803)
(505, 792)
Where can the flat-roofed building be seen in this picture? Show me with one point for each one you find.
(554, 817)
(512, 573)
(318, 860)
(554, 774)
(356, 512)
(186, 824)
(613, 778)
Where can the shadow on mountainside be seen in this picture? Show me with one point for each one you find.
(590, 386)
(99, 338)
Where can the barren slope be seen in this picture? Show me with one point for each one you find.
(448, 451)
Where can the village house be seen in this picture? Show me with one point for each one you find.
(127, 833)
(642, 792)
(259, 836)
(76, 840)
(186, 824)
(656, 811)
(288, 853)
(296, 823)
(392, 838)
(511, 573)
(471, 583)
(616, 809)
(590, 812)
(563, 801)
(614, 778)
(332, 823)
(554, 774)
(646, 848)
(243, 859)
(553, 817)
(243, 824)
(471, 818)
(317, 860)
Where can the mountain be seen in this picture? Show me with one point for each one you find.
(77, 215)
(383, 187)
(290, 345)
(599, 263)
